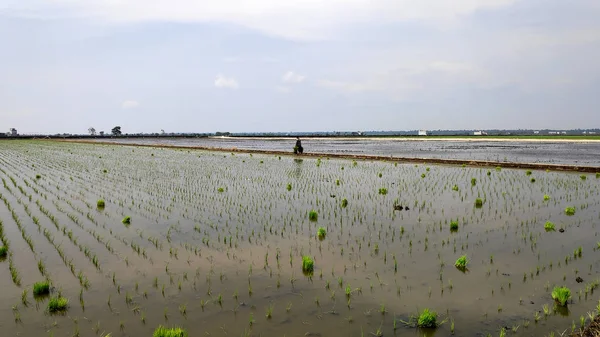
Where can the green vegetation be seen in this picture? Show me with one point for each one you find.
(289, 187)
(427, 319)
(597, 175)
(455, 188)
(533, 180)
(313, 215)
(570, 210)
(546, 197)
(37, 176)
(561, 295)
(41, 288)
(461, 263)
(473, 181)
(478, 203)
(308, 265)
(583, 177)
(528, 172)
(57, 304)
(220, 190)
(549, 226)
(126, 220)
(3, 251)
(321, 232)
(344, 203)
(161, 331)
(100, 203)
(383, 191)
(453, 225)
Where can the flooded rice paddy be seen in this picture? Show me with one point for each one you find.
(215, 244)
(508, 150)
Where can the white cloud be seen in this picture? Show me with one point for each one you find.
(291, 77)
(130, 104)
(305, 19)
(226, 82)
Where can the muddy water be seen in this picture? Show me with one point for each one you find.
(227, 257)
(548, 152)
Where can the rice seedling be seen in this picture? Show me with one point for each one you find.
(162, 331)
(313, 215)
(269, 311)
(100, 203)
(307, 264)
(41, 288)
(58, 304)
(126, 220)
(383, 191)
(546, 197)
(583, 177)
(461, 263)
(453, 225)
(549, 226)
(344, 203)
(478, 203)
(321, 232)
(561, 295)
(570, 211)
(289, 187)
(427, 319)
(473, 181)
(3, 251)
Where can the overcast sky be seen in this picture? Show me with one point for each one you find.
(298, 65)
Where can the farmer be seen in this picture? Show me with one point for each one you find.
(298, 149)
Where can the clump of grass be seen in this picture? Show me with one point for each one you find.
(455, 188)
(453, 225)
(561, 295)
(321, 232)
(313, 215)
(427, 319)
(344, 203)
(161, 331)
(289, 187)
(383, 191)
(473, 181)
(533, 180)
(478, 202)
(597, 175)
(461, 262)
(583, 177)
(38, 176)
(308, 265)
(41, 288)
(58, 304)
(220, 190)
(570, 210)
(126, 220)
(546, 197)
(3, 251)
(100, 203)
(549, 226)
(528, 172)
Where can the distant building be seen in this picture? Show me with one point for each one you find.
(101, 133)
(422, 133)
(13, 132)
(536, 132)
(479, 133)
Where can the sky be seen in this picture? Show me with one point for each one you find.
(298, 65)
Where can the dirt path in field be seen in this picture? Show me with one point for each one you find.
(472, 163)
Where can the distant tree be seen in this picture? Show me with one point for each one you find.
(116, 131)
(92, 131)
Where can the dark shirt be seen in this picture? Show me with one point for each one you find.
(298, 143)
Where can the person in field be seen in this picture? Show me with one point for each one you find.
(298, 149)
